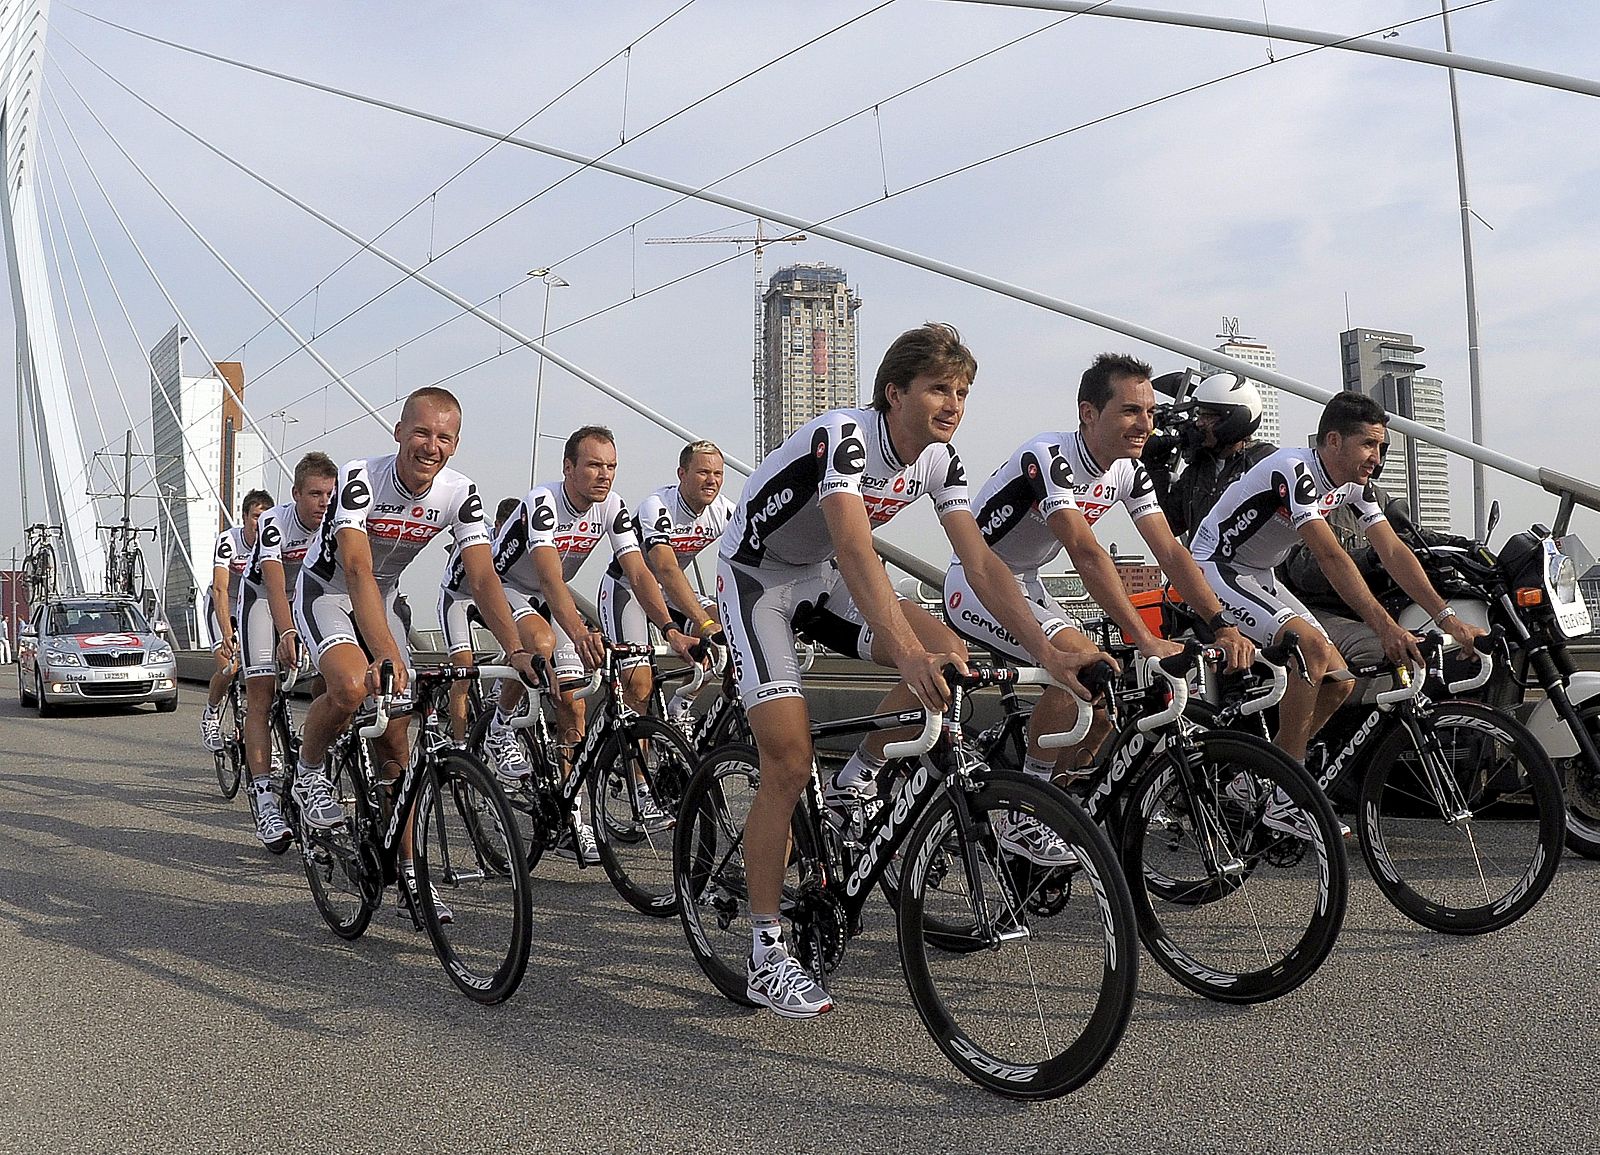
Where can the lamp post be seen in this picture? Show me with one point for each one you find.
(283, 436)
(551, 281)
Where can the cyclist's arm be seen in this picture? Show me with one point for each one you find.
(997, 589)
(219, 601)
(648, 592)
(1100, 578)
(355, 556)
(864, 576)
(1402, 565)
(1342, 574)
(1179, 566)
(675, 586)
(272, 577)
(553, 587)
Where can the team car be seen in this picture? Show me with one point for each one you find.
(78, 651)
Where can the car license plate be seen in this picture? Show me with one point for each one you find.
(116, 675)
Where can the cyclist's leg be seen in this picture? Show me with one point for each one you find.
(622, 621)
(222, 673)
(457, 628)
(1265, 613)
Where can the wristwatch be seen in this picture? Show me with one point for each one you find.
(1218, 621)
(1449, 611)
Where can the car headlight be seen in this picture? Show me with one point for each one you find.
(159, 654)
(63, 658)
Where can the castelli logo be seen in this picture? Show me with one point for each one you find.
(955, 600)
(417, 511)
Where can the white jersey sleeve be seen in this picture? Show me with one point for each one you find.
(620, 526)
(223, 554)
(840, 452)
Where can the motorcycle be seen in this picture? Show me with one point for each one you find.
(1528, 592)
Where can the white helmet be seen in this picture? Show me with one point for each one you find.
(1236, 401)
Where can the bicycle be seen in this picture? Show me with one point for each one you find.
(623, 756)
(464, 842)
(1024, 974)
(39, 564)
(1460, 811)
(1230, 907)
(230, 760)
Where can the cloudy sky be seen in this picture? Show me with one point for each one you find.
(1274, 196)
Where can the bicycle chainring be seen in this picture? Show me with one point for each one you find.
(1047, 888)
(820, 928)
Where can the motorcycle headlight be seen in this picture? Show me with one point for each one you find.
(63, 658)
(1564, 578)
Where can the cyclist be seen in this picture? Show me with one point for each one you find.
(229, 559)
(798, 554)
(674, 524)
(1215, 438)
(457, 616)
(266, 623)
(538, 551)
(1285, 498)
(1049, 495)
(384, 513)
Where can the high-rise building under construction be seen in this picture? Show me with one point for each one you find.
(809, 333)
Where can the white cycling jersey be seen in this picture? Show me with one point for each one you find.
(545, 517)
(1256, 521)
(233, 554)
(778, 521)
(664, 519)
(281, 537)
(398, 524)
(1049, 473)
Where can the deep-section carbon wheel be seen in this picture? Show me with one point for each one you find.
(1463, 833)
(472, 879)
(230, 759)
(634, 800)
(1030, 997)
(1236, 865)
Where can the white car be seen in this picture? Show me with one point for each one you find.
(93, 649)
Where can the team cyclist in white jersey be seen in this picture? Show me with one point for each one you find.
(229, 559)
(675, 523)
(799, 551)
(266, 623)
(538, 551)
(1285, 497)
(1049, 495)
(385, 512)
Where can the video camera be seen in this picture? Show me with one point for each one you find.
(1175, 430)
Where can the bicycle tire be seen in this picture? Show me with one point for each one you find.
(469, 856)
(638, 860)
(1506, 849)
(708, 866)
(230, 759)
(1070, 928)
(1231, 908)
(342, 870)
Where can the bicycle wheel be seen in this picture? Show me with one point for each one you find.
(472, 879)
(708, 868)
(345, 875)
(1231, 907)
(635, 849)
(230, 759)
(285, 753)
(1463, 834)
(1030, 997)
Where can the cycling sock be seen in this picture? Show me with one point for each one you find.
(306, 768)
(766, 937)
(501, 718)
(1037, 768)
(860, 771)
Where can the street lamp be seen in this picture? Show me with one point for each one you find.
(283, 437)
(551, 281)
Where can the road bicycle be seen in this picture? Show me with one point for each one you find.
(230, 760)
(1232, 907)
(472, 894)
(1024, 973)
(39, 564)
(125, 569)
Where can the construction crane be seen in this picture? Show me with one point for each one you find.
(759, 362)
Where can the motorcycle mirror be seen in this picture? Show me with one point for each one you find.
(1494, 520)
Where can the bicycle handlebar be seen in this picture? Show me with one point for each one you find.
(380, 717)
(932, 723)
(1176, 682)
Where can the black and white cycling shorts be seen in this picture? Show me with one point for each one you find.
(325, 618)
(567, 665)
(1254, 600)
(969, 618)
(256, 632)
(764, 610)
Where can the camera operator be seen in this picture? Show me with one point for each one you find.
(1212, 433)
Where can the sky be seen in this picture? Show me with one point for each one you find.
(1306, 195)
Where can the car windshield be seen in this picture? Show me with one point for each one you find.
(96, 618)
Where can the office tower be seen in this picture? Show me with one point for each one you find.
(1255, 352)
(810, 355)
(1387, 367)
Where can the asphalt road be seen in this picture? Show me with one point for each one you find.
(170, 987)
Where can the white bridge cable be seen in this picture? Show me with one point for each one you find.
(439, 188)
(1586, 492)
(227, 513)
(793, 144)
(1545, 79)
(276, 314)
(59, 162)
(434, 257)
